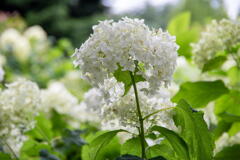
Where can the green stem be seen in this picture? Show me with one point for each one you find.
(141, 129)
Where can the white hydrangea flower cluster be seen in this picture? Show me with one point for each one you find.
(226, 140)
(11, 40)
(121, 44)
(19, 103)
(219, 36)
(37, 38)
(34, 39)
(57, 97)
(121, 113)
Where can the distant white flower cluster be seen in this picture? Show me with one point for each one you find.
(57, 97)
(23, 100)
(121, 113)
(219, 36)
(34, 39)
(121, 44)
(19, 103)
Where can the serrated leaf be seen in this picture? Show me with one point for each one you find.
(162, 150)
(111, 151)
(200, 93)
(132, 146)
(175, 141)
(214, 63)
(229, 153)
(194, 131)
(100, 142)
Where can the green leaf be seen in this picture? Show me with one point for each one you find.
(229, 117)
(162, 150)
(111, 151)
(229, 153)
(194, 131)
(59, 122)
(31, 148)
(125, 78)
(42, 130)
(200, 93)
(100, 142)
(5, 156)
(214, 63)
(175, 141)
(185, 32)
(132, 146)
(180, 23)
(234, 77)
(235, 128)
(229, 103)
(221, 127)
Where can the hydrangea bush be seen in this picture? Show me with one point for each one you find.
(136, 107)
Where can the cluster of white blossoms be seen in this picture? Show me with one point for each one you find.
(122, 44)
(21, 45)
(121, 112)
(19, 103)
(11, 41)
(57, 97)
(226, 140)
(218, 36)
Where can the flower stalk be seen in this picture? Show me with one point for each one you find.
(141, 128)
